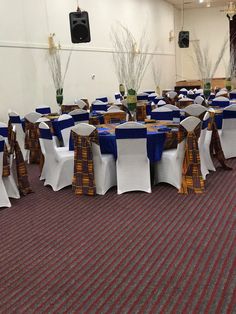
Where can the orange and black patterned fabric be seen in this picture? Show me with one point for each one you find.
(6, 163)
(32, 142)
(68, 108)
(21, 170)
(141, 112)
(215, 145)
(83, 180)
(191, 170)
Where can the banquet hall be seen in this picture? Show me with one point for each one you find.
(117, 156)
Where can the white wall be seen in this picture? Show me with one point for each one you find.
(208, 25)
(25, 25)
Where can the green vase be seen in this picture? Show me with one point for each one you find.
(207, 89)
(59, 96)
(122, 90)
(132, 102)
(228, 84)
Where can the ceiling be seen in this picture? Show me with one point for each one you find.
(190, 4)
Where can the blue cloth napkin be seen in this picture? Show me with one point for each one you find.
(104, 133)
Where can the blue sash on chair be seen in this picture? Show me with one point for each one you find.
(219, 103)
(229, 114)
(81, 117)
(64, 124)
(99, 107)
(15, 119)
(4, 131)
(103, 99)
(45, 134)
(162, 115)
(44, 110)
(130, 133)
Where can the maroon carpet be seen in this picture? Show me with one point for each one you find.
(132, 253)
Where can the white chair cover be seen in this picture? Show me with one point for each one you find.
(20, 134)
(133, 170)
(58, 164)
(228, 133)
(65, 123)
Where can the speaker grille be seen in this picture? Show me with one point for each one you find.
(183, 39)
(79, 27)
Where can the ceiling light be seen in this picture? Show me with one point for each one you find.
(201, 1)
(208, 5)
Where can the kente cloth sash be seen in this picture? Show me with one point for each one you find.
(191, 169)
(141, 113)
(83, 181)
(32, 142)
(68, 108)
(6, 162)
(21, 170)
(215, 145)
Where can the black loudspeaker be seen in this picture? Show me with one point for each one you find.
(183, 39)
(79, 27)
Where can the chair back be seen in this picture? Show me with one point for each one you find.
(222, 93)
(4, 131)
(46, 140)
(142, 96)
(84, 129)
(220, 101)
(161, 103)
(176, 111)
(183, 91)
(118, 97)
(79, 115)
(81, 104)
(162, 113)
(229, 118)
(99, 105)
(152, 96)
(114, 108)
(33, 116)
(65, 123)
(232, 94)
(157, 99)
(43, 110)
(131, 138)
(199, 100)
(172, 94)
(103, 99)
(2, 143)
(195, 110)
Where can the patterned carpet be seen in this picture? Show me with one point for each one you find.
(130, 253)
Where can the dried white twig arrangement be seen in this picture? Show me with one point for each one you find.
(203, 62)
(54, 61)
(156, 72)
(131, 59)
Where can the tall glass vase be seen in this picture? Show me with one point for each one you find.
(228, 84)
(207, 88)
(132, 103)
(59, 96)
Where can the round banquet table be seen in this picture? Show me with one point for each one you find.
(156, 137)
